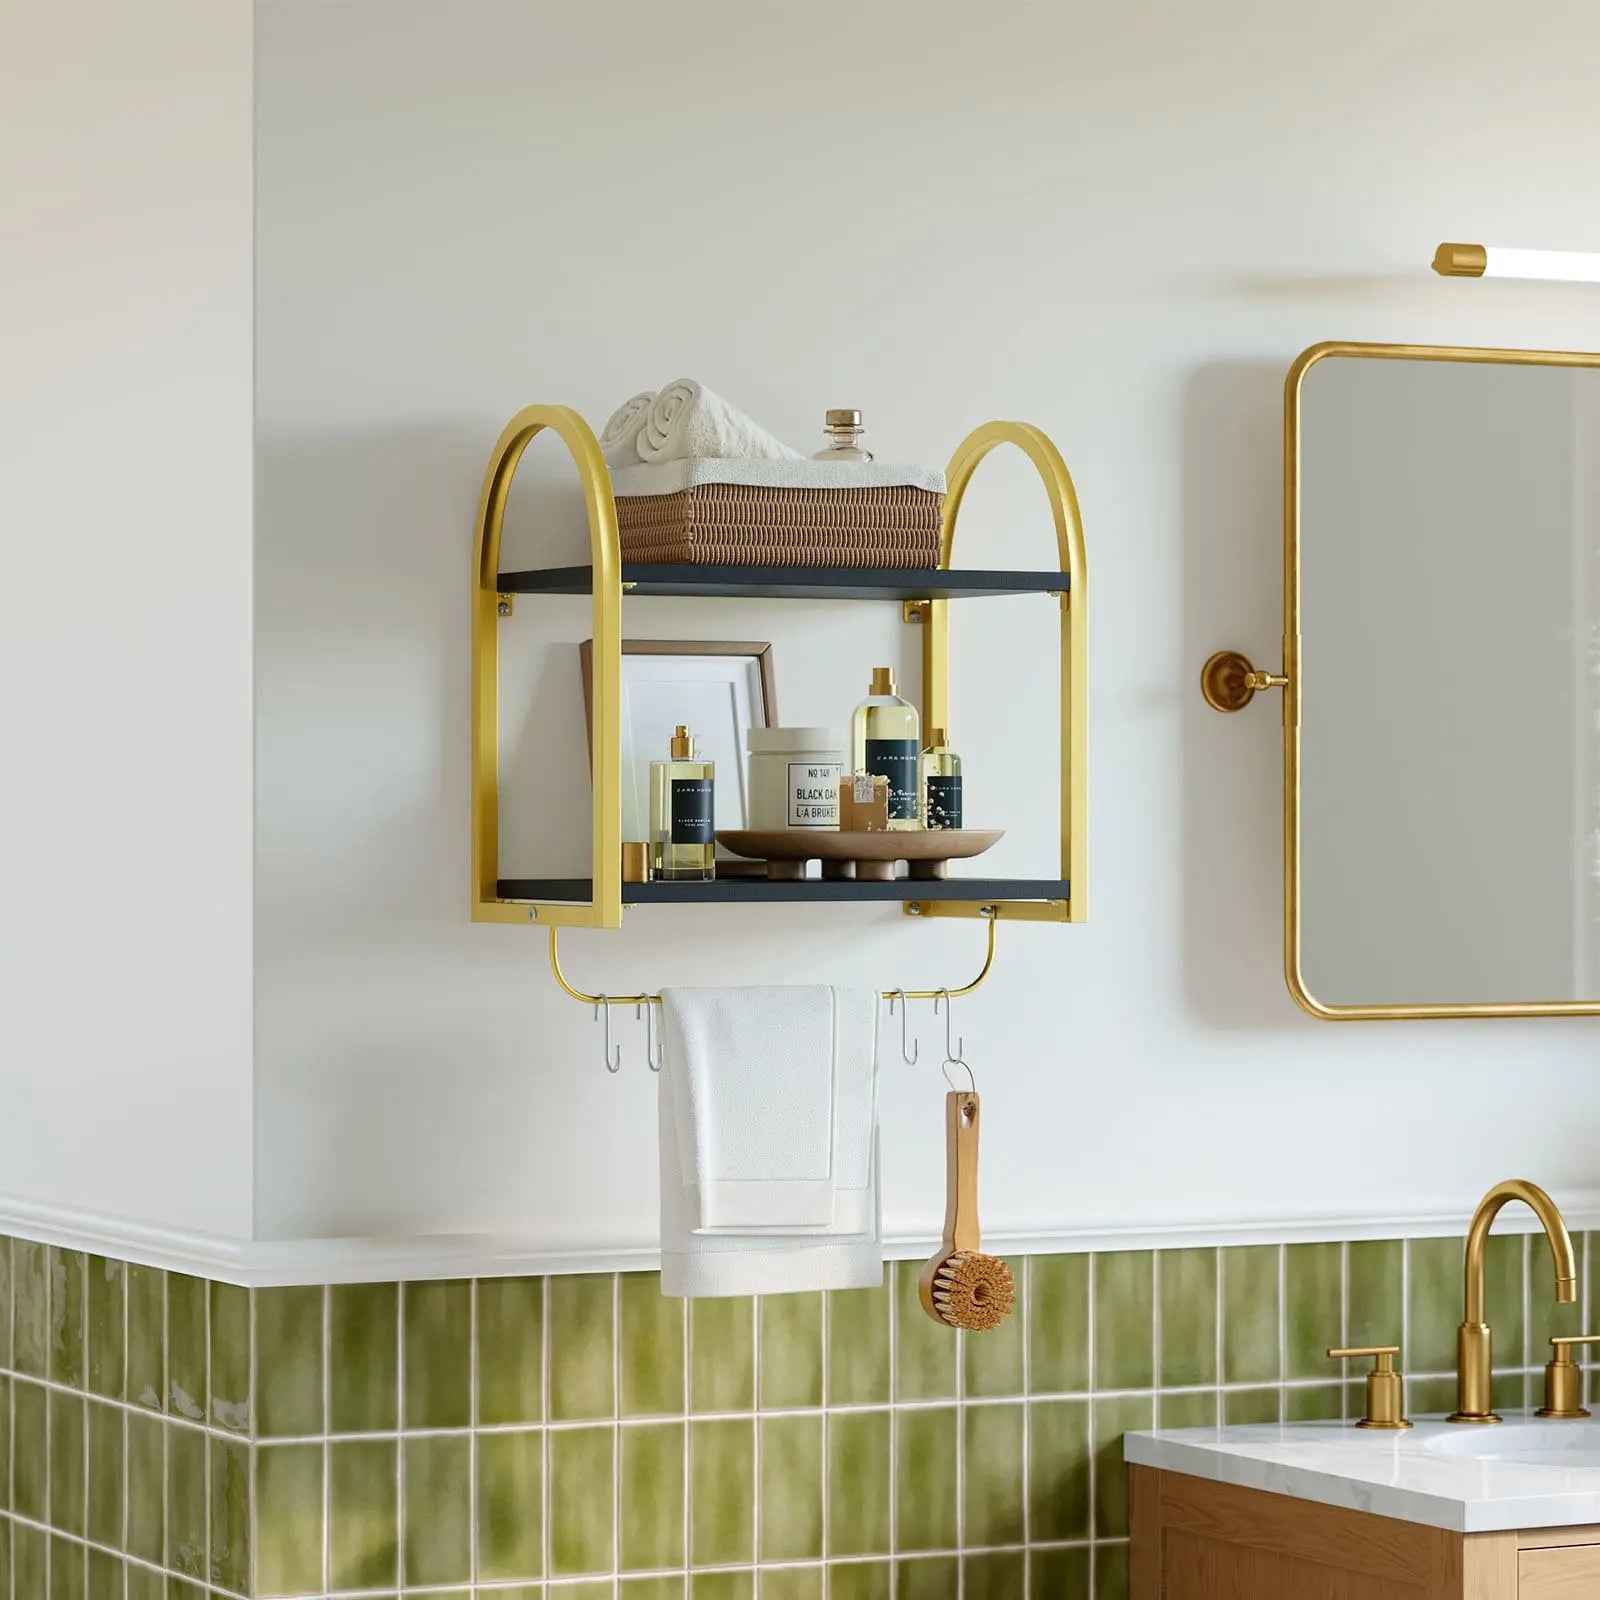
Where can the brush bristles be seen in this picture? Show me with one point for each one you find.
(973, 1291)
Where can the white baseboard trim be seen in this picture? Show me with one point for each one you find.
(270, 1263)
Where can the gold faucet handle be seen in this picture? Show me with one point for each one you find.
(1563, 1377)
(1386, 1404)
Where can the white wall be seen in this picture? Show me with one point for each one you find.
(125, 648)
(1118, 222)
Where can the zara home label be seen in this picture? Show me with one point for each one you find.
(691, 811)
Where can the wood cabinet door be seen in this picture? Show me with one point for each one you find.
(1566, 1572)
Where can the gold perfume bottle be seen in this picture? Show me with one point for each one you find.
(884, 739)
(844, 430)
(683, 806)
(941, 782)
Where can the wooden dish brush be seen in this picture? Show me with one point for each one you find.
(961, 1286)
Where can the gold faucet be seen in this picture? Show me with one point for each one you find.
(1473, 1339)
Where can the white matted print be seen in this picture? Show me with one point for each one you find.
(715, 688)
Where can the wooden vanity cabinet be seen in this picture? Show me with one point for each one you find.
(1198, 1540)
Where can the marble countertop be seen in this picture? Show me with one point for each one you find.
(1523, 1473)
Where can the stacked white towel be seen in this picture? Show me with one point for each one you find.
(769, 1161)
(687, 421)
(619, 439)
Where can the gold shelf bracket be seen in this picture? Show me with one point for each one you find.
(1229, 682)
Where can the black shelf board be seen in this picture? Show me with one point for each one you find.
(789, 583)
(752, 891)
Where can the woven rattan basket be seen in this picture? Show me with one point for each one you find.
(890, 525)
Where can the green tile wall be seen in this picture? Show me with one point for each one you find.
(165, 1438)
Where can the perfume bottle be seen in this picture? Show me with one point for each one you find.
(844, 430)
(884, 740)
(941, 782)
(683, 838)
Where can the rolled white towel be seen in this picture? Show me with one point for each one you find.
(687, 421)
(619, 436)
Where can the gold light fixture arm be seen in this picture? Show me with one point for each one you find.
(991, 914)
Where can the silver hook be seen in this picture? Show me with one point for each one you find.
(613, 1063)
(956, 1061)
(652, 1060)
(961, 1043)
(916, 1048)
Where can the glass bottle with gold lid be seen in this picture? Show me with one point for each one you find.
(683, 836)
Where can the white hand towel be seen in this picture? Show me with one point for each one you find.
(774, 1093)
(619, 438)
(697, 1266)
(687, 420)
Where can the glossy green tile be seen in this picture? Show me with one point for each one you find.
(1315, 1402)
(926, 1352)
(364, 1359)
(30, 1451)
(145, 1584)
(992, 1361)
(106, 1576)
(363, 1513)
(67, 1293)
(924, 1578)
(66, 1570)
(1058, 1324)
(1374, 1270)
(658, 1587)
(105, 1329)
(1503, 1260)
(926, 1451)
(1111, 1577)
(860, 1580)
(1545, 1316)
(722, 1492)
(147, 1476)
(289, 1528)
(438, 1509)
(438, 1353)
(995, 1575)
(651, 1497)
(1188, 1316)
(289, 1362)
(858, 1347)
(66, 1461)
(791, 1488)
(1058, 1469)
(182, 1589)
(5, 1313)
(581, 1499)
(147, 1336)
(1508, 1391)
(794, 1583)
(724, 1586)
(582, 1366)
(1435, 1290)
(722, 1374)
(1113, 1418)
(1059, 1574)
(650, 1346)
(1250, 1343)
(510, 1494)
(28, 1562)
(1187, 1408)
(31, 1312)
(1124, 1337)
(1313, 1308)
(186, 1501)
(791, 1351)
(1251, 1405)
(858, 1483)
(993, 1487)
(186, 1346)
(5, 1452)
(230, 1357)
(228, 1562)
(510, 1350)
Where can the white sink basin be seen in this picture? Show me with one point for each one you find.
(1572, 1445)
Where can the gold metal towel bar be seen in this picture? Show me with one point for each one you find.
(990, 915)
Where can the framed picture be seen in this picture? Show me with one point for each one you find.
(717, 688)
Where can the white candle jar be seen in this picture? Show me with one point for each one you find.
(794, 777)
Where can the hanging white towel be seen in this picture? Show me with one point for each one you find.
(619, 438)
(687, 420)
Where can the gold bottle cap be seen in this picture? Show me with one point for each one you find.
(843, 417)
(682, 744)
(882, 680)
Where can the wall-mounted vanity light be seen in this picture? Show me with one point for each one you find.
(1495, 261)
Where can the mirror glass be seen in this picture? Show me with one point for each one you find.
(1449, 554)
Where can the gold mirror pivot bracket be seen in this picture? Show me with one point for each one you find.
(1460, 260)
(1386, 1404)
(1563, 1378)
(505, 605)
(1229, 681)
